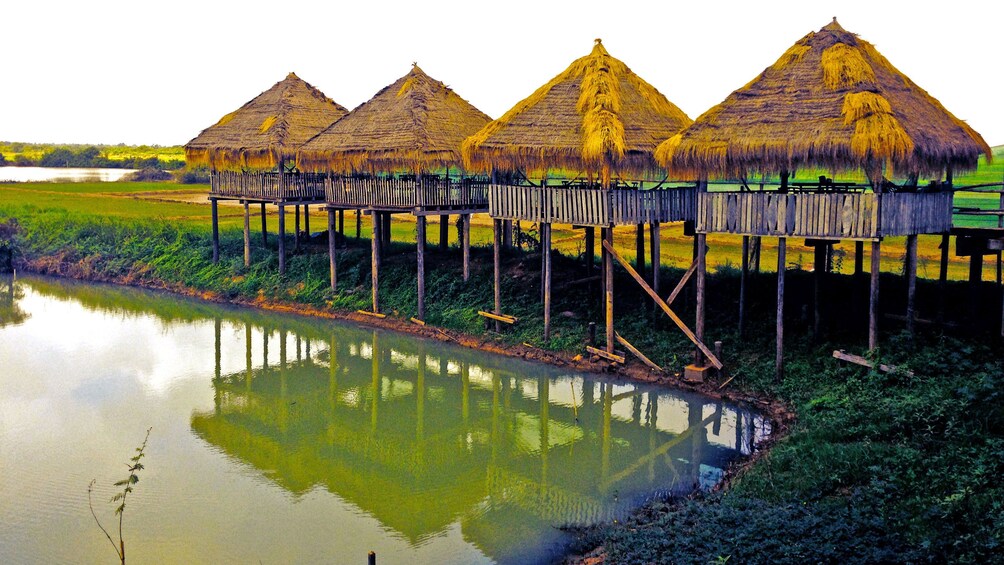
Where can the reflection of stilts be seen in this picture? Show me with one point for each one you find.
(544, 398)
(375, 383)
(465, 392)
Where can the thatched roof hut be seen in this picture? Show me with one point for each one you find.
(831, 101)
(417, 123)
(596, 116)
(267, 130)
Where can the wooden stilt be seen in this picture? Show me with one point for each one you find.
(743, 276)
(341, 222)
(859, 258)
(296, 228)
(282, 239)
(755, 253)
(608, 287)
(444, 232)
(247, 234)
(264, 227)
(590, 252)
(497, 255)
(818, 272)
(976, 269)
(911, 281)
(943, 276)
(375, 260)
(546, 242)
(782, 262)
(216, 230)
(331, 249)
(386, 237)
(656, 246)
(359, 224)
(639, 246)
(420, 260)
(306, 220)
(465, 243)
(507, 234)
(873, 301)
(701, 282)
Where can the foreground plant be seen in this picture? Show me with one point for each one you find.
(135, 466)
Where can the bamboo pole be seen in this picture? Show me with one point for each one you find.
(873, 301)
(282, 239)
(247, 234)
(779, 321)
(420, 260)
(331, 249)
(547, 280)
(216, 230)
(911, 281)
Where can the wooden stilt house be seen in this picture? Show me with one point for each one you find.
(251, 155)
(399, 152)
(597, 124)
(832, 103)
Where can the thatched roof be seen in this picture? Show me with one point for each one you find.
(417, 123)
(266, 130)
(831, 101)
(595, 115)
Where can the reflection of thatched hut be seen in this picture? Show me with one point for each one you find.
(249, 151)
(413, 127)
(597, 119)
(834, 103)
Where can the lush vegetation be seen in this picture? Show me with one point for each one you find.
(98, 156)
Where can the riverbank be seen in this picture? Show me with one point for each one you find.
(877, 466)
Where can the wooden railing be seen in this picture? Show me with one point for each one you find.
(425, 192)
(268, 186)
(590, 206)
(833, 215)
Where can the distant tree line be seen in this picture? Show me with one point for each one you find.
(92, 157)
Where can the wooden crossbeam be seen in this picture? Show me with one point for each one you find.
(662, 304)
(636, 353)
(608, 356)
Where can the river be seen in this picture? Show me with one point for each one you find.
(280, 439)
(60, 174)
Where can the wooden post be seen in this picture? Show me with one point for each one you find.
(420, 260)
(444, 232)
(818, 274)
(655, 243)
(341, 222)
(743, 276)
(331, 249)
(282, 239)
(296, 228)
(466, 245)
(306, 219)
(943, 276)
(590, 253)
(859, 258)
(216, 230)
(497, 253)
(782, 263)
(264, 227)
(385, 237)
(507, 234)
(247, 234)
(359, 224)
(375, 260)
(976, 269)
(701, 282)
(639, 246)
(608, 287)
(546, 241)
(873, 300)
(911, 281)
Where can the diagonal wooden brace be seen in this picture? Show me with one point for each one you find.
(662, 304)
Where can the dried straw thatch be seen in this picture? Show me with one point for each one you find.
(831, 101)
(266, 130)
(595, 116)
(417, 123)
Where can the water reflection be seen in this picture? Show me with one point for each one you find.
(61, 174)
(11, 292)
(420, 436)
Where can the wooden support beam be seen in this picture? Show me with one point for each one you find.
(702, 272)
(282, 239)
(420, 261)
(639, 248)
(444, 232)
(341, 222)
(859, 258)
(911, 282)
(264, 226)
(609, 356)
(216, 230)
(247, 234)
(465, 244)
(859, 360)
(375, 260)
(634, 351)
(331, 250)
(504, 318)
(608, 285)
(372, 314)
(497, 261)
(943, 275)
(662, 304)
(743, 276)
(306, 220)
(655, 245)
(546, 242)
(782, 263)
(590, 252)
(296, 228)
(359, 224)
(873, 297)
(818, 280)
(683, 282)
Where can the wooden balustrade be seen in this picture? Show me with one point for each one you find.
(824, 215)
(405, 193)
(590, 206)
(267, 186)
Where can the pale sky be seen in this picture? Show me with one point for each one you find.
(136, 72)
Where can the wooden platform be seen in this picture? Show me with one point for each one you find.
(589, 206)
(387, 193)
(270, 187)
(824, 215)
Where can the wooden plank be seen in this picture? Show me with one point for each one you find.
(373, 314)
(665, 307)
(417, 322)
(635, 352)
(608, 356)
(499, 317)
(859, 360)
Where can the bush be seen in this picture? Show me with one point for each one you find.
(148, 174)
(198, 175)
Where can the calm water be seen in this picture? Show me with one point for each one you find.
(281, 439)
(59, 174)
